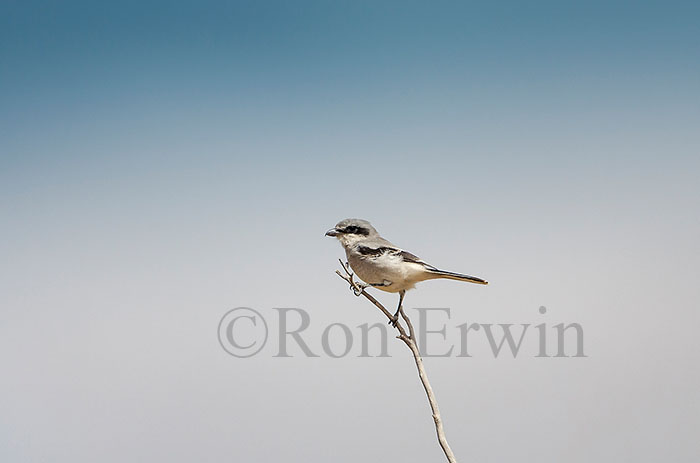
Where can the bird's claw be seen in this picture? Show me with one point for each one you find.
(358, 288)
(394, 321)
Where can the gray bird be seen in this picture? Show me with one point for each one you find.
(384, 266)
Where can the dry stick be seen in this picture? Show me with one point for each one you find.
(410, 340)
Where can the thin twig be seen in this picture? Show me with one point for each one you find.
(410, 340)
(358, 290)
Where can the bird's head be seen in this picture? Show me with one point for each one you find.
(349, 231)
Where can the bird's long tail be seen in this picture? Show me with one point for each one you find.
(456, 276)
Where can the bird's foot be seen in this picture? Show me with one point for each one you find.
(357, 288)
(394, 321)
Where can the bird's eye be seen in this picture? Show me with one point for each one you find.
(351, 229)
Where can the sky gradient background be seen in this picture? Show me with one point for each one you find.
(162, 163)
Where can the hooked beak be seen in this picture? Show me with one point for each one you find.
(332, 232)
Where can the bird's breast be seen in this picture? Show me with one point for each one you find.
(382, 269)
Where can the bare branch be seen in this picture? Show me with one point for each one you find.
(353, 285)
(411, 333)
(433, 402)
(410, 341)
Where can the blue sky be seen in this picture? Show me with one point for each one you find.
(110, 60)
(82, 68)
(161, 163)
(280, 87)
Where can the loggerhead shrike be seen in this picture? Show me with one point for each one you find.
(384, 266)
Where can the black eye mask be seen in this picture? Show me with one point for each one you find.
(352, 229)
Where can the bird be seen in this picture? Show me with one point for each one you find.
(382, 265)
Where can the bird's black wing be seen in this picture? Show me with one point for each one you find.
(374, 252)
